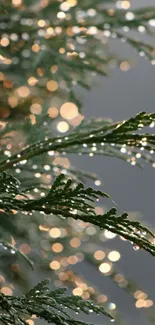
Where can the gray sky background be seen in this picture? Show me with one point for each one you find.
(119, 97)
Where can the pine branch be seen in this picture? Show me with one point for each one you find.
(68, 38)
(67, 200)
(48, 305)
(94, 140)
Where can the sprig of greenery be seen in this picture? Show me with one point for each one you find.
(67, 200)
(111, 139)
(48, 305)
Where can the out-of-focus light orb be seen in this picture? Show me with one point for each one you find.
(140, 303)
(140, 295)
(152, 22)
(35, 108)
(4, 42)
(25, 248)
(77, 292)
(62, 127)
(114, 256)
(30, 321)
(41, 23)
(108, 234)
(69, 111)
(55, 232)
(6, 291)
(65, 6)
(75, 242)
(125, 4)
(32, 81)
(130, 16)
(57, 247)
(53, 112)
(112, 306)
(148, 303)
(55, 265)
(97, 182)
(61, 15)
(17, 3)
(72, 3)
(105, 268)
(124, 66)
(99, 255)
(23, 91)
(52, 85)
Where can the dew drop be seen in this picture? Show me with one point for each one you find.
(136, 247)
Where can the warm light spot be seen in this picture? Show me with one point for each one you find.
(6, 291)
(64, 261)
(53, 112)
(124, 66)
(36, 108)
(62, 127)
(72, 259)
(43, 228)
(52, 85)
(69, 110)
(2, 279)
(65, 6)
(4, 42)
(104, 267)
(114, 256)
(41, 23)
(30, 321)
(140, 295)
(35, 48)
(72, 3)
(55, 232)
(13, 101)
(63, 276)
(62, 162)
(25, 248)
(61, 15)
(108, 234)
(125, 4)
(75, 242)
(57, 247)
(61, 50)
(83, 286)
(102, 298)
(13, 242)
(32, 81)
(77, 292)
(17, 3)
(32, 118)
(99, 255)
(54, 68)
(2, 76)
(86, 295)
(98, 210)
(23, 91)
(148, 303)
(55, 265)
(50, 31)
(140, 303)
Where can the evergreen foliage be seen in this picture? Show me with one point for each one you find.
(47, 47)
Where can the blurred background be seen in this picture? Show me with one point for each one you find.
(128, 90)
